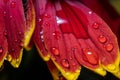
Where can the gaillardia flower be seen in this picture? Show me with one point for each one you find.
(71, 35)
(67, 35)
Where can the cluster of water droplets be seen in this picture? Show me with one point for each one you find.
(103, 39)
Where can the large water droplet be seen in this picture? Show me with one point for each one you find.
(56, 34)
(12, 4)
(55, 51)
(109, 47)
(65, 63)
(1, 49)
(102, 39)
(95, 25)
(90, 56)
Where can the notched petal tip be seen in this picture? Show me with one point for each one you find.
(68, 74)
(15, 62)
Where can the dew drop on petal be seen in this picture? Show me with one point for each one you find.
(12, 4)
(47, 16)
(95, 25)
(65, 63)
(55, 51)
(109, 47)
(5, 33)
(90, 56)
(56, 34)
(90, 12)
(47, 24)
(1, 50)
(4, 13)
(102, 39)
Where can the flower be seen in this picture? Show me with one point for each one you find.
(72, 35)
(66, 33)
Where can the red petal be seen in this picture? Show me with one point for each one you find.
(15, 26)
(38, 34)
(3, 40)
(107, 44)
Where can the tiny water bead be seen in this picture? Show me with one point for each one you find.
(90, 12)
(56, 34)
(1, 49)
(109, 47)
(47, 24)
(5, 33)
(102, 39)
(47, 16)
(4, 13)
(65, 63)
(55, 51)
(12, 4)
(95, 25)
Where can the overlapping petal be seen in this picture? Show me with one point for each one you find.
(15, 29)
(73, 35)
(15, 26)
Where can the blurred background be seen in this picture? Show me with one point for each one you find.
(33, 67)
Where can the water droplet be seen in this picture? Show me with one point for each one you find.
(4, 13)
(13, 4)
(47, 24)
(102, 39)
(13, 50)
(1, 50)
(65, 63)
(109, 47)
(55, 51)
(19, 32)
(5, 33)
(56, 34)
(47, 16)
(39, 20)
(90, 12)
(90, 56)
(95, 25)
(15, 40)
(11, 17)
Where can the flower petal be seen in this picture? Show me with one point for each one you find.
(38, 34)
(30, 24)
(76, 28)
(15, 26)
(3, 39)
(103, 39)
